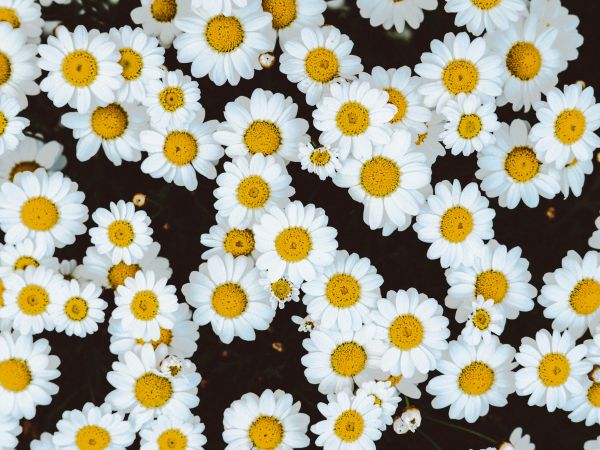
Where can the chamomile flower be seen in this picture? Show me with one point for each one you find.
(280, 291)
(173, 432)
(473, 378)
(458, 66)
(271, 420)
(249, 186)
(390, 13)
(317, 58)
(351, 421)
(486, 15)
(122, 233)
(294, 242)
(385, 396)
(32, 154)
(83, 68)
(553, 369)
(93, 427)
(9, 430)
(322, 161)
(172, 100)
(225, 292)
(24, 15)
(572, 176)
(567, 124)
(115, 127)
(177, 153)
(353, 117)
(157, 18)
(408, 386)
(225, 47)
(26, 253)
(337, 360)
(594, 240)
(486, 318)
(414, 329)
(27, 370)
(222, 239)
(70, 270)
(305, 324)
(343, 295)
(264, 123)
(143, 391)
(141, 58)
(429, 142)
(291, 16)
(11, 125)
(518, 441)
(455, 221)
(585, 406)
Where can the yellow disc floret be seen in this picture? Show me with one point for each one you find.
(92, 437)
(406, 332)
(79, 68)
(110, 122)
(263, 137)
(342, 290)
(460, 76)
(585, 297)
(456, 224)
(224, 33)
(293, 244)
(229, 300)
(153, 391)
(491, 285)
(380, 176)
(476, 379)
(266, 433)
(33, 300)
(349, 426)
(15, 375)
(348, 359)
(321, 65)
(524, 61)
(253, 192)
(180, 148)
(39, 214)
(554, 369)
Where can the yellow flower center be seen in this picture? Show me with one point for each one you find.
(253, 192)
(397, 99)
(33, 300)
(153, 391)
(491, 285)
(283, 12)
(460, 76)
(406, 332)
(342, 290)
(39, 214)
(485, 4)
(522, 164)
(229, 300)
(554, 369)
(224, 33)
(239, 242)
(163, 10)
(394, 380)
(293, 244)
(110, 122)
(593, 395)
(282, 289)
(266, 433)
(524, 61)
(476, 379)
(120, 233)
(352, 119)
(421, 138)
(171, 98)
(165, 338)
(321, 65)
(76, 308)
(132, 63)
(456, 224)
(180, 148)
(263, 137)
(469, 126)
(92, 437)
(320, 157)
(585, 297)
(15, 375)
(144, 305)
(380, 176)
(348, 359)
(25, 261)
(5, 68)
(9, 15)
(23, 166)
(481, 319)
(172, 439)
(349, 426)
(118, 273)
(2, 289)
(80, 68)
(570, 126)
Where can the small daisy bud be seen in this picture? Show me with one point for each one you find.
(581, 83)
(551, 213)
(305, 324)
(266, 60)
(171, 365)
(139, 199)
(505, 446)
(277, 346)
(411, 418)
(594, 374)
(399, 426)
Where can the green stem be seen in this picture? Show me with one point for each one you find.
(406, 400)
(461, 428)
(430, 440)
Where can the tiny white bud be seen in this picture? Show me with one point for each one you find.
(266, 60)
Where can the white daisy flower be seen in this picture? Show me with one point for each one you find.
(292, 16)
(223, 6)
(343, 295)
(27, 370)
(455, 221)
(31, 154)
(391, 13)
(353, 117)
(225, 292)
(69, 269)
(272, 420)
(157, 18)
(530, 62)
(408, 386)
(45, 442)
(143, 391)
(429, 142)
(11, 125)
(222, 239)
(553, 369)
(249, 186)
(280, 291)
(518, 441)
(585, 405)
(26, 253)
(122, 233)
(567, 124)
(317, 58)
(82, 67)
(9, 430)
(389, 181)
(572, 176)
(25, 15)
(414, 329)
(173, 432)
(6, 323)
(594, 240)
(294, 242)
(385, 397)
(497, 274)
(510, 168)
(592, 445)
(172, 100)
(305, 324)
(177, 153)
(78, 309)
(115, 127)
(473, 378)
(93, 427)
(571, 294)
(458, 65)
(144, 305)
(141, 60)
(486, 318)
(351, 422)
(337, 360)
(225, 47)
(264, 123)
(322, 161)
(486, 15)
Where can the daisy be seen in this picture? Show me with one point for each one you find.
(486, 318)
(337, 360)
(429, 142)
(177, 153)
(83, 68)
(353, 117)
(144, 305)
(264, 123)
(567, 125)
(172, 432)
(11, 125)
(511, 170)
(280, 291)
(143, 391)
(27, 297)
(385, 396)
(141, 60)
(458, 65)
(157, 18)
(225, 47)
(408, 386)
(271, 420)
(26, 253)
(222, 239)
(486, 15)
(45, 442)
(519, 441)
(414, 329)
(322, 161)
(351, 422)
(93, 427)
(122, 233)
(31, 154)
(592, 445)
(6, 323)
(390, 13)
(389, 181)
(305, 324)
(594, 240)
(402, 89)
(223, 6)
(292, 16)
(225, 292)
(115, 127)
(473, 378)
(25, 15)
(317, 58)
(78, 309)
(9, 430)
(572, 176)
(553, 369)
(585, 405)
(70, 270)
(409, 420)
(249, 186)
(294, 242)
(172, 100)
(342, 296)
(27, 370)
(455, 221)
(571, 294)
(530, 62)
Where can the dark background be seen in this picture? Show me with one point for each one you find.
(179, 217)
